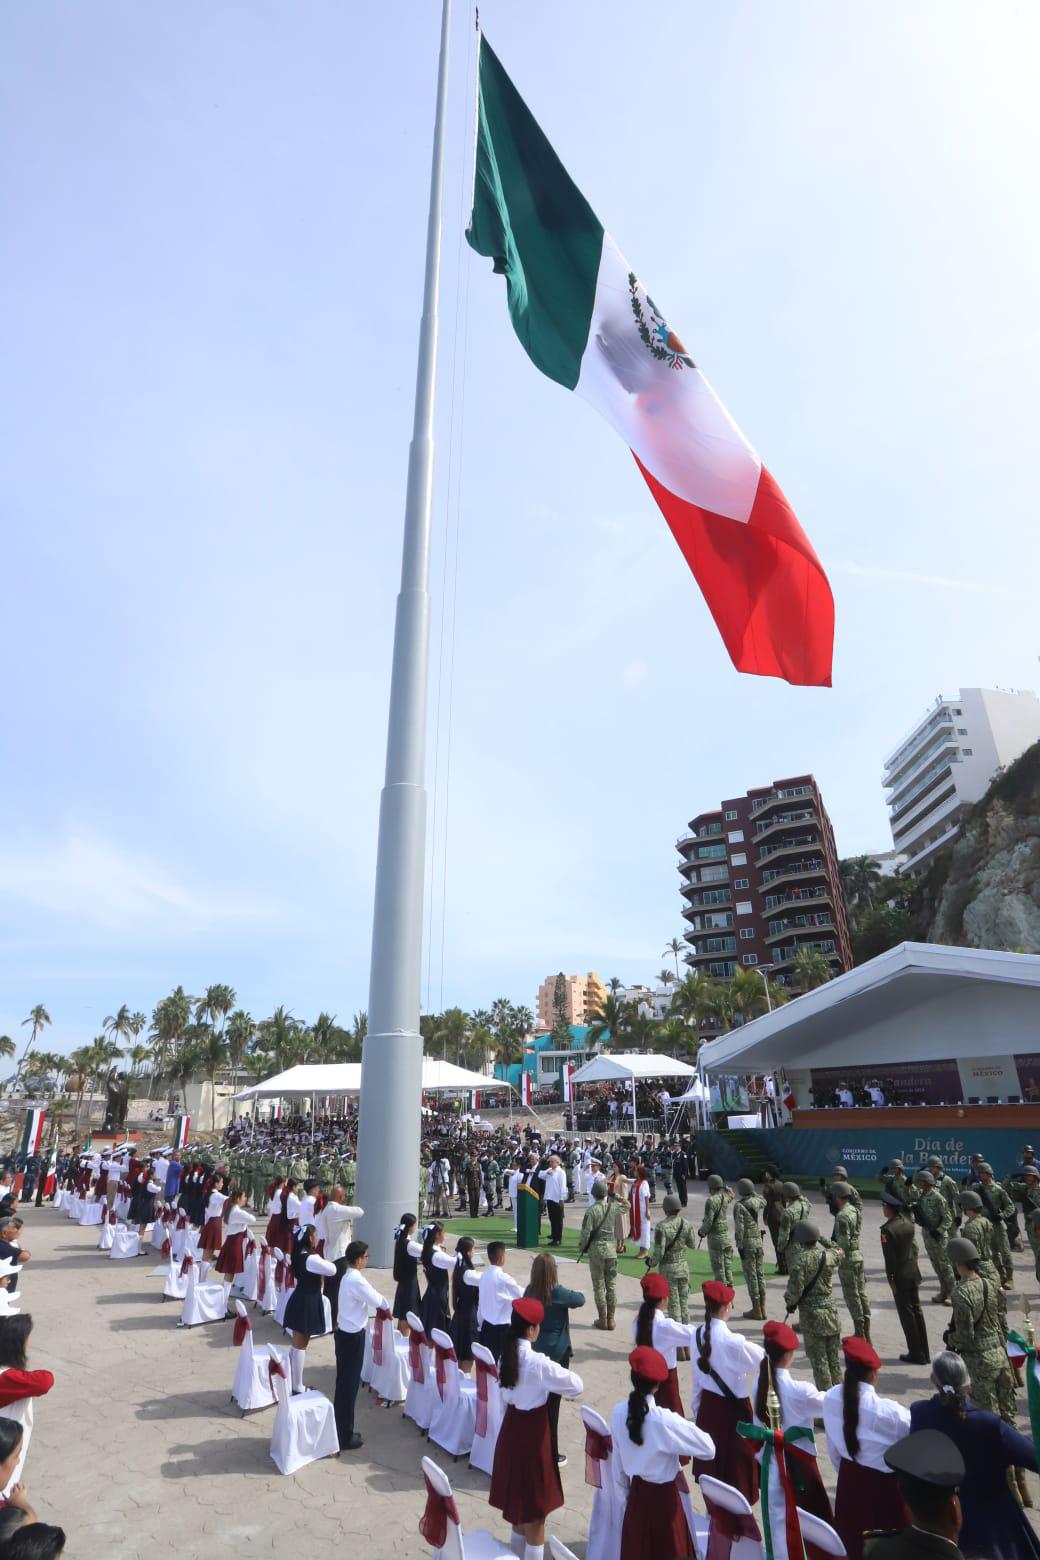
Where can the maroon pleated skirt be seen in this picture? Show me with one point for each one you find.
(525, 1481)
(734, 1461)
(668, 1394)
(655, 1525)
(866, 1499)
(231, 1260)
(212, 1236)
(279, 1234)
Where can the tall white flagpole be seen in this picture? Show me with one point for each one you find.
(391, 1060)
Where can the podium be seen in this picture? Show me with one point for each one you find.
(528, 1217)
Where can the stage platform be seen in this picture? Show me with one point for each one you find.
(929, 1118)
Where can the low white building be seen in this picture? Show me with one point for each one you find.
(948, 761)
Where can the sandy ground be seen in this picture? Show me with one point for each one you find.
(139, 1450)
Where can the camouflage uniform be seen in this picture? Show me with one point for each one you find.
(348, 1178)
(808, 1291)
(715, 1227)
(748, 1237)
(975, 1333)
(847, 1224)
(673, 1237)
(933, 1215)
(997, 1206)
(895, 1181)
(850, 1191)
(979, 1231)
(948, 1189)
(1032, 1227)
(597, 1242)
(794, 1212)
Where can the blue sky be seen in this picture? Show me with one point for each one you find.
(211, 271)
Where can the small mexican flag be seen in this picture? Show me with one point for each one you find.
(525, 1088)
(180, 1131)
(51, 1182)
(568, 1082)
(585, 319)
(474, 1099)
(32, 1135)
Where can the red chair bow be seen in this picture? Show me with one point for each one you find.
(726, 1528)
(440, 1510)
(250, 1245)
(274, 1368)
(443, 1355)
(104, 1215)
(416, 1340)
(166, 1249)
(261, 1273)
(279, 1273)
(182, 1222)
(186, 1264)
(242, 1326)
(598, 1448)
(485, 1373)
(377, 1338)
(290, 1276)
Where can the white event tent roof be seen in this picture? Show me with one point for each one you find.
(309, 1078)
(627, 1068)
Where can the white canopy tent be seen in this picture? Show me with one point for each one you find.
(630, 1067)
(316, 1078)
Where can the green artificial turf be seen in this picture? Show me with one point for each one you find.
(501, 1228)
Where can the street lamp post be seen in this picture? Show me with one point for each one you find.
(765, 982)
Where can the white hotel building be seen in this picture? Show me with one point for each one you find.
(947, 762)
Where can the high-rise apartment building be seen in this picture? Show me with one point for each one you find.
(581, 995)
(760, 881)
(947, 762)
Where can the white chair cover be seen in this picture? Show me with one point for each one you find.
(488, 1415)
(419, 1401)
(60, 1197)
(368, 1362)
(821, 1534)
(91, 1212)
(245, 1285)
(160, 1229)
(715, 1493)
(175, 1286)
(284, 1283)
(202, 1302)
(73, 1207)
(609, 1497)
(125, 1243)
(108, 1229)
(559, 1550)
(455, 1408)
(266, 1297)
(251, 1388)
(304, 1425)
(390, 1373)
(180, 1235)
(479, 1545)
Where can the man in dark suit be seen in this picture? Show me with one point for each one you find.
(680, 1171)
(899, 1249)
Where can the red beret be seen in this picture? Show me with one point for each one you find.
(779, 1333)
(648, 1363)
(859, 1352)
(655, 1286)
(532, 1311)
(722, 1294)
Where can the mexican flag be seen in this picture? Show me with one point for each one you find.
(567, 1077)
(180, 1131)
(525, 1088)
(32, 1134)
(585, 319)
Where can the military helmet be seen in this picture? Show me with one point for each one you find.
(671, 1203)
(805, 1233)
(715, 1183)
(791, 1190)
(839, 1192)
(745, 1188)
(984, 1168)
(970, 1199)
(840, 1171)
(925, 1177)
(599, 1189)
(962, 1251)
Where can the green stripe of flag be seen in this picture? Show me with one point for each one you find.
(535, 224)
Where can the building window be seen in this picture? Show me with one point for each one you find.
(710, 852)
(723, 968)
(738, 859)
(731, 816)
(958, 712)
(741, 882)
(743, 907)
(749, 958)
(736, 836)
(747, 933)
(716, 896)
(962, 731)
(967, 752)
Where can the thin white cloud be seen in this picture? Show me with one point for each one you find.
(872, 571)
(98, 883)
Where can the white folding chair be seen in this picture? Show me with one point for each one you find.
(419, 1402)
(820, 1534)
(723, 1498)
(389, 1360)
(488, 1418)
(442, 1511)
(202, 1302)
(175, 1284)
(558, 1549)
(73, 1207)
(304, 1425)
(266, 1296)
(245, 1285)
(608, 1500)
(455, 1407)
(125, 1243)
(90, 1212)
(285, 1283)
(108, 1229)
(251, 1388)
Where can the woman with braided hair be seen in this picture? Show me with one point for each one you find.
(724, 1368)
(649, 1444)
(801, 1403)
(861, 1426)
(653, 1328)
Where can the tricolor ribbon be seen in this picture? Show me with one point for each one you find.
(598, 1448)
(415, 1358)
(242, 1326)
(1032, 1385)
(779, 1448)
(485, 1373)
(727, 1527)
(440, 1510)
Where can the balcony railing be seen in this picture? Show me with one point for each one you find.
(807, 869)
(901, 773)
(797, 842)
(796, 926)
(784, 795)
(927, 781)
(797, 896)
(790, 953)
(784, 818)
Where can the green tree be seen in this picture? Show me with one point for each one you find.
(139, 1055)
(609, 1023)
(7, 1046)
(211, 1054)
(215, 1006)
(280, 1036)
(119, 1026)
(863, 881)
(694, 999)
(170, 1020)
(239, 1034)
(675, 947)
(452, 1033)
(676, 1038)
(642, 1033)
(811, 968)
(39, 1018)
(560, 1003)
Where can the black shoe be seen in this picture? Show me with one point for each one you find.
(353, 1444)
(561, 1460)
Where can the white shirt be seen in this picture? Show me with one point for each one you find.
(882, 1422)
(440, 1258)
(357, 1301)
(338, 1219)
(735, 1359)
(215, 1206)
(666, 1437)
(292, 1207)
(498, 1290)
(537, 1376)
(274, 1205)
(555, 1186)
(668, 1336)
(316, 1264)
(512, 1182)
(238, 1220)
(800, 1404)
(307, 1205)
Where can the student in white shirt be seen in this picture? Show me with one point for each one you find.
(648, 1444)
(555, 1197)
(512, 1183)
(860, 1427)
(723, 1371)
(357, 1301)
(654, 1329)
(336, 1227)
(231, 1261)
(498, 1290)
(525, 1478)
(801, 1403)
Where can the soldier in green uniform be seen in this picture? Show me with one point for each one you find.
(673, 1238)
(976, 1334)
(748, 1237)
(899, 1249)
(796, 1208)
(947, 1186)
(773, 1192)
(979, 1231)
(810, 1267)
(848, 1222)
(932, 1213)
(894, 1180)
(596, 1241)
(842, 1175)
(298, 1168)
(997, 1206)
(266, 1174)
(1027, 1192)
(715, 1229)
(1033, 1236)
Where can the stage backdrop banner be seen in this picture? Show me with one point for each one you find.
(988, 1077)
(808, 1154)
(933, 1083)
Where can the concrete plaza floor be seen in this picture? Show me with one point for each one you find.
(139, 1451)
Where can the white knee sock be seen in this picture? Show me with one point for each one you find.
(534, 1551)
(296, 1358)
(517, 1543)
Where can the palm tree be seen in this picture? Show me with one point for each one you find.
(182, 1067)
(240, 1033)
(862, 880)
(522, 1020)
(811, 968)
(613, 985)
(170, 1019)
(675, 947)
(641, 1032)
(694, 998)
(216, 1005)
(81, 1061)
(747, 994)
(7, 1046)
(119, 1025)
(323, 1036)
(609, 1023)
(138, 1054)
(39, 1018)
(673, 1035)
(453, 1028)
(667, 978)
(280, 1034)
